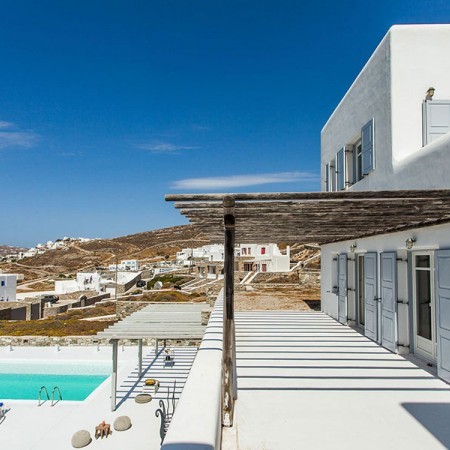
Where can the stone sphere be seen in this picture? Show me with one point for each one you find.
(81, 438)
(122, 423)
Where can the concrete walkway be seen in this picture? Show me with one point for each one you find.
(308, 382)
(29, 427)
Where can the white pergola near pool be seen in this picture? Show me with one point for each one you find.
(158, 321)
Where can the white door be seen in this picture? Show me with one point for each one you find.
(424, 305)
(388, 284)
(442, 313)
(371, 296)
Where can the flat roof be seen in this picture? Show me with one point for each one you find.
(315, 217)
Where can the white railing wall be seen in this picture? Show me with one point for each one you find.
(197, 422)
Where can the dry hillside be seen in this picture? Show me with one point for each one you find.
(150, 245)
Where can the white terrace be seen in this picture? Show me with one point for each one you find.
(286, 380)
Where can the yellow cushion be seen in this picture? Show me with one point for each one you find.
(150, 382)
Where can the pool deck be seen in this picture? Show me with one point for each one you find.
(27, 426)
(307, 382)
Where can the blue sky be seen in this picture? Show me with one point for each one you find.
(105, 106)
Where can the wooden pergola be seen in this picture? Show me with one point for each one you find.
(155, 321)
(299, 217)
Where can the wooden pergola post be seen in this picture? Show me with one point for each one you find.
(229, 385)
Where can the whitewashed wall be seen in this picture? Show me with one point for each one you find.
(430, 238)
(8, 291)
(391, 88)
(419, 60)
(368, 97)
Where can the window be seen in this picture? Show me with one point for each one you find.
(264, 268)
(436, 119)
(249, 250)
(244, 251)
(263, 250)
(3, 283)
(357, 152)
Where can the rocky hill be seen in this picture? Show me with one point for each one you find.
(147, 246)
(9, 250)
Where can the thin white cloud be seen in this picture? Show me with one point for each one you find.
(236, 181)
(164, 147)
(11, 137)
(200, 128)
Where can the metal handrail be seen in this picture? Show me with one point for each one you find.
(56, 388)
(43, 388)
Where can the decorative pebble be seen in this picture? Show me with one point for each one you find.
(143, 398)
(122, 423)
(81, 439)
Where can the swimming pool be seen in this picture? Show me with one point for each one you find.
(22, 379)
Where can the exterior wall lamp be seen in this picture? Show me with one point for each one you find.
(353, 247)
(410, 243)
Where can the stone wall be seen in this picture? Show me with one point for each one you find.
(58, 309)
(48, 341)
(19, 310)
(125, 308)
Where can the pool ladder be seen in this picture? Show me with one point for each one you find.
(44, 389)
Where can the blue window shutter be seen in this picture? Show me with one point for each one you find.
(367, 138)
(340, 169)
(327, 177)
(436, 119)
(342, 288)
(332, 179)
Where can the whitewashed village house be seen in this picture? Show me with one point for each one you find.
(209, 259)
(390, 132)
(8, 287)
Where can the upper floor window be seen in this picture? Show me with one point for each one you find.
(263, 250)
(352, 162)
(436, 119)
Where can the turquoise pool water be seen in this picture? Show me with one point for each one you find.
(21, 380)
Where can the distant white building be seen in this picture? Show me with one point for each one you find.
(85, 281)
(264, 258)
(252, 257)
(8, 287)
(127, 264)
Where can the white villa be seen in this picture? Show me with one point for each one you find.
(85, 281)
(253, 257)
(127, 264)
(8, 287)
(391, 131)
